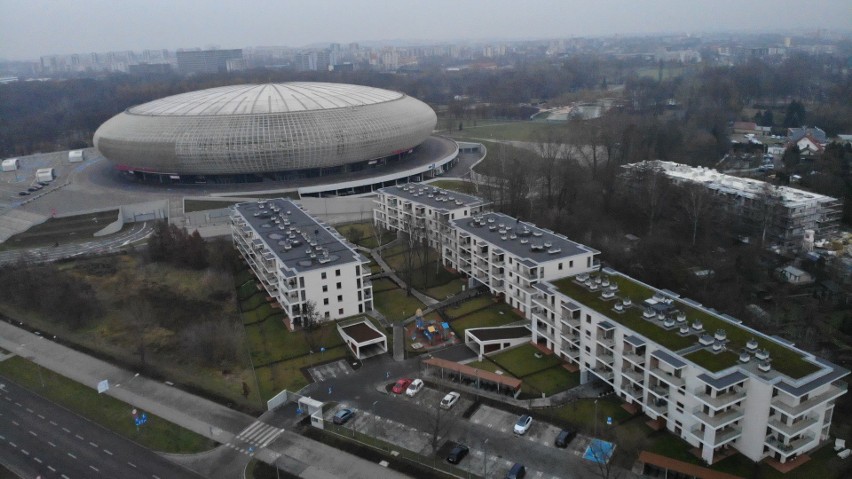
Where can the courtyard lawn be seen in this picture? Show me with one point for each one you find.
(157, 434)
(271, 341)
(581, 413)
(460, 309)
(445, 291)
(487, 365)
(288, 374)
(364, 234)
(551, 381)
(383, 284)
(395, 304)
(521, 361)
(497, 315)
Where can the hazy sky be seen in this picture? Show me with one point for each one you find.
(31, 28)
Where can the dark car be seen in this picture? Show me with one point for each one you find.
(565, 436)
(518, 471)
(32, 189)
(342, 416)
(457, 454)
(24, 193)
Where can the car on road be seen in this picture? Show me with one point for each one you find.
(401, 385)
(518, 471)
(457, 454)
(523, 424)
(24, 193)
(450, 400)
(415, 387)
(342, 416)
(564, 437)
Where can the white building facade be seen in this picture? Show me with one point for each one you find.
(298, 260)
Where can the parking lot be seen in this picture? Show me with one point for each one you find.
(488, 433)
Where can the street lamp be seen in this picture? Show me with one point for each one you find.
(485, 459)
(596, 418)
(373, 410)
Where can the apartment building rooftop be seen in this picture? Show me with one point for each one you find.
(718, 343)
(734, 185)
(434, 197)
(297, 239)
(523, 240)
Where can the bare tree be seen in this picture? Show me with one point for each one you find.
(440, 423)
(140, 317)
(310, 317)
(697, 204)
(551, 150)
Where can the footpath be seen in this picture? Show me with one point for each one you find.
(291, 451)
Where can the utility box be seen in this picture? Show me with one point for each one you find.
(11, 164)
(45, 174)
(76, 156)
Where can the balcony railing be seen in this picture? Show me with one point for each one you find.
(667, 377)
(795, 428)
(721, 400)
(606, 357)
(659, 407)
(721, 419)
(635, 358)
(788, 448)
(604, 373)
(727, 435)
(659, 390)
(606, 341)
(833, 392)
(634, 376)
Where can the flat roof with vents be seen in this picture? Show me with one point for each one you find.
(434, 197)
(522, 240)
(295, 237)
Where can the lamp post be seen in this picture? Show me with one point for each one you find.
(373, 410)
(485, 459)
(596, 418)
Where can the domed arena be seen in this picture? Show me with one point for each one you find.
(278, 131)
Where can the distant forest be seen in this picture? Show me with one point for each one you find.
(41, 116)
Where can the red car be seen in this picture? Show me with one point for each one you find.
(401, 385)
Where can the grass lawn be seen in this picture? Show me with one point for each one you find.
(201, 205)
(288, 374)
(713, 362)
(581, 413)
(109, 412)
(364, 234)
(395, 304)
(521, 361)
(272, 341)
(487, 365)
(484, 318)
(460, 186)
(551, 381)
(445, 291)
(383, 284)
(508, 130)
(460, 309)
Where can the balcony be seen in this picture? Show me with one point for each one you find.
(608, 342)
(633, 391)
(659, 390)
(603, 373)
(634, 358)
(571, 322)
(791, 430)
(726, 435)
(833, 392)
(721, 400)
(571, 352)
(667, 377)
(660, 407)
(719, 420)
(788, 448)
(634, 376)
(605, 356)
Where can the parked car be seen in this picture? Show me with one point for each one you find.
(457, 454)
(414, 387)
(342, 416)
(24, 193)
(564, 437)
(523, 424)
(401, 385)
(450, 400)
(518, 471)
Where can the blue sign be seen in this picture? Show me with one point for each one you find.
(322, 350)
(609, 421)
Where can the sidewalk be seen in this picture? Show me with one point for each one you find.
(307, 458)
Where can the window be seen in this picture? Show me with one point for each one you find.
(357, 270)
(560, 266)
(339, 298)
(325, 288)
(337, 272)
(327, 315)
(325, 301)
(339, 286)
(340, 311)
(322, 276)
(571, 264)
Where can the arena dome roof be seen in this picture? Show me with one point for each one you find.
(251, 129)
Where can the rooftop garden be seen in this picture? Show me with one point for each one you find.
(784, 360)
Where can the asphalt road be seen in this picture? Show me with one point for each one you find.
(39, 438)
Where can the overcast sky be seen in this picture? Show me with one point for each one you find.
(31, 28)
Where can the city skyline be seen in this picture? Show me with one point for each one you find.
(96, 26)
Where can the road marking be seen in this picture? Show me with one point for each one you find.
(18, 404)
(34, 434)
(93, 444)
(66, 430)
(2, 438)
(78, 436)
(72, 456)
(94, 468)
(29, 410)
(53, 423)
(155, 476)
(51, 468)
(131, 464)
(37, 460)
(13, 422)
(40, 416)
(65, 477)
(51, 444)
(24, 452)
(107, 451)
(13, 444)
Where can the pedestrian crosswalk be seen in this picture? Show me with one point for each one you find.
(259, 434)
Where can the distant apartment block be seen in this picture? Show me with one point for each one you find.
(791, 211)
(298, 259)
(698, 373)
(208, 61)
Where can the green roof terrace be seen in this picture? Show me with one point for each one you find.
(784, 360)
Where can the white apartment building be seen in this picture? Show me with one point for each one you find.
(423, 211)
(791, 213)
(299, 259)
(702, 375)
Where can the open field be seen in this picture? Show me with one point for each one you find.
(190, 206)
(364, 234)
(460, 186)
(509, 130)
(157, 434)
(62, 230)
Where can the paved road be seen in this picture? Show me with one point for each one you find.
(135, 233)
(37, 437)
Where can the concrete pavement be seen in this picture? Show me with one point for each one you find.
(307, 458)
